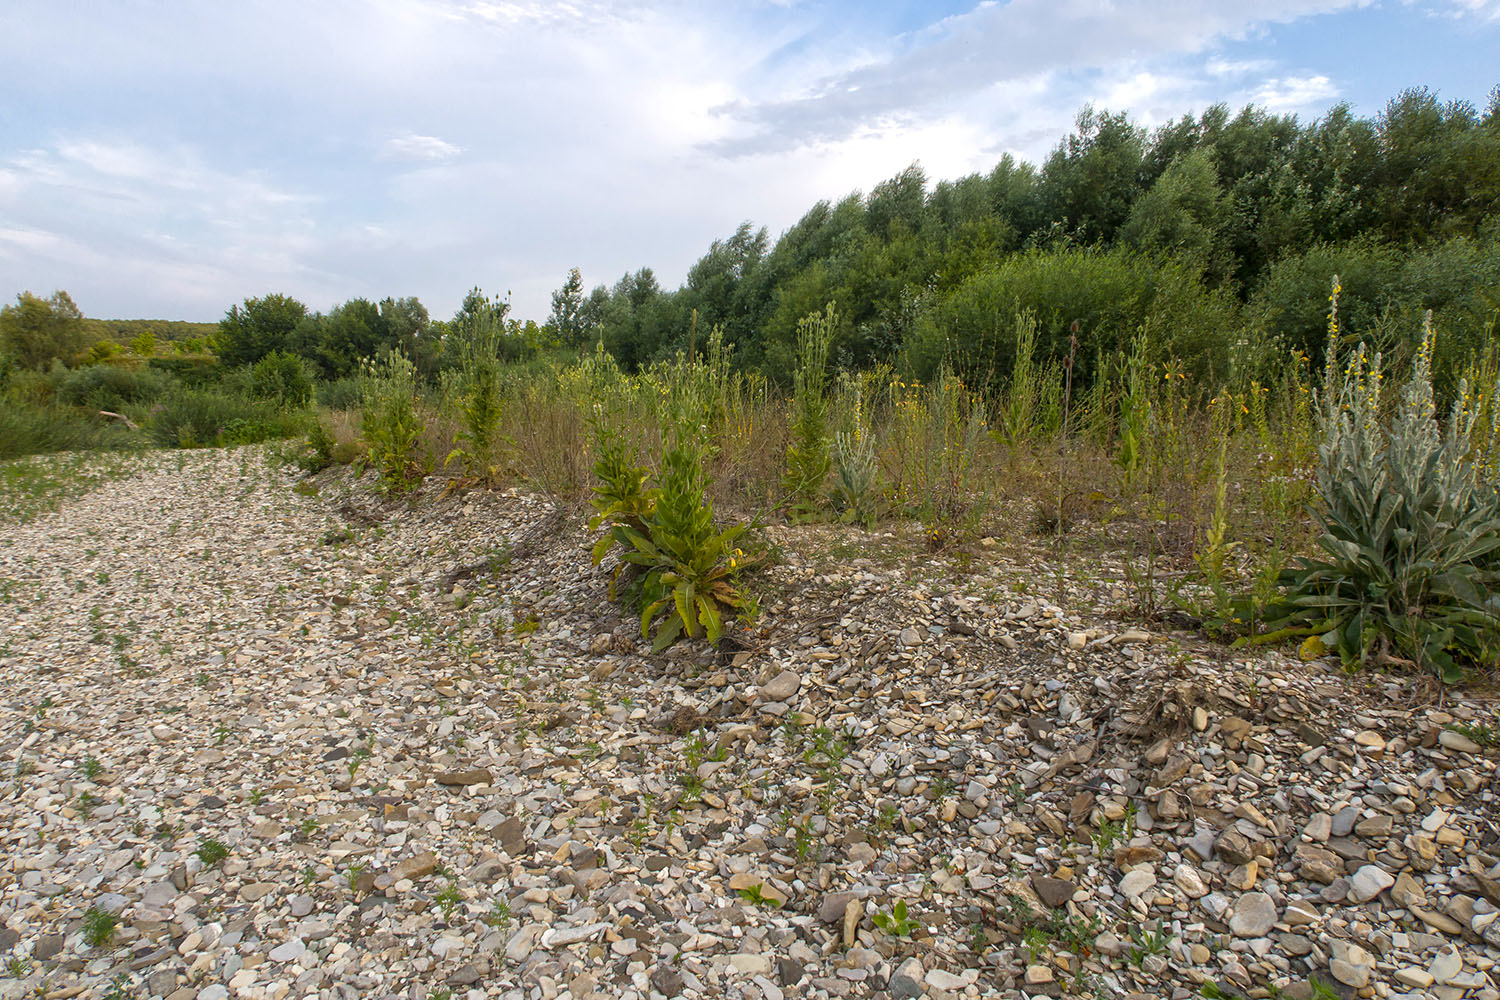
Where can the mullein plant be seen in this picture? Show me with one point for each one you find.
(1410, 571)
(808, 460)
(677, 565)
(856, 472)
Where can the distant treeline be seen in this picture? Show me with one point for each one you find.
(1218, 234)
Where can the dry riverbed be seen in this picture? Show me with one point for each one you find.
(266, 742)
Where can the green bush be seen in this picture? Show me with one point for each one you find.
(1386, 290)
(972, 330)
(207, 418)
(320, 450)
(342, 394)
(108, 387)
(284, 377)
(36, 430)
(1410, 573)
(193, 370)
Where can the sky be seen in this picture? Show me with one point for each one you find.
(168, 158)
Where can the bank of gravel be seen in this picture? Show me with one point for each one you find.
(432, 783)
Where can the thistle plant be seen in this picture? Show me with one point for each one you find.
(1411, 534)
(390, 423)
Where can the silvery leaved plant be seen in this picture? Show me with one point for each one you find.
(1410, 565)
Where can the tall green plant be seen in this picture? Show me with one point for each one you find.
(1135, 407)
(682, 566)
(1411, 536)
(479, 407)
(856, 472)
(808, 460)
(390, 423)
(1024, 402)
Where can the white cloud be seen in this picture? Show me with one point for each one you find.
(410, 146)
(996, 43)
(1486, 10)
(1295, 93)
(112, 220)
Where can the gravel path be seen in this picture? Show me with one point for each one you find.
(258, 741)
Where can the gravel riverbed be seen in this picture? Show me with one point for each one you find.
(264, 737)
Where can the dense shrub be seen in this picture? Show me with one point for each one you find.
(192, 370)
(28, 430)
(205, 418)
(1386, 291)
(283, 377)
(1110, 296)
(342, 393)
(110, 387)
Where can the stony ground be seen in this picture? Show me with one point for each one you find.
(260, 741)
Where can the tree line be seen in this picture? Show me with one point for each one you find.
(1218, 232)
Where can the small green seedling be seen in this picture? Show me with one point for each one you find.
(753, 894)
(99, 927)
(212, 852)
(896, 923)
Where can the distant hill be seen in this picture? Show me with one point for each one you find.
(123, 330)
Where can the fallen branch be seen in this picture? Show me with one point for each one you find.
(120, 417)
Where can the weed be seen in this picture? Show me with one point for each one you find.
(211, 852)
(99, 927)
(1148, 941)
(448, 900)
(755, 894)
(896, 923)
(1479, 732)
(1106, 836)
(808, 461)
(90, 768)
(352, 875)
(499, 915)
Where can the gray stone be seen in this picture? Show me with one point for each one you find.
(1369, 882)
(905, 988)
(1054, 892)
(1254, 915)
(781, 687)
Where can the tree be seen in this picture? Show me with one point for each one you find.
(351, 332)
(1181, 214)
(35, 330)
(567, 307)
(898, 200)
(1093, 177)
(247, 334)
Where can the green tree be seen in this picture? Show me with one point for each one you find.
(248, 333)
(35, 330)
(1182, 214)
(351, 332)
(567, 306)
(1093, 177)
